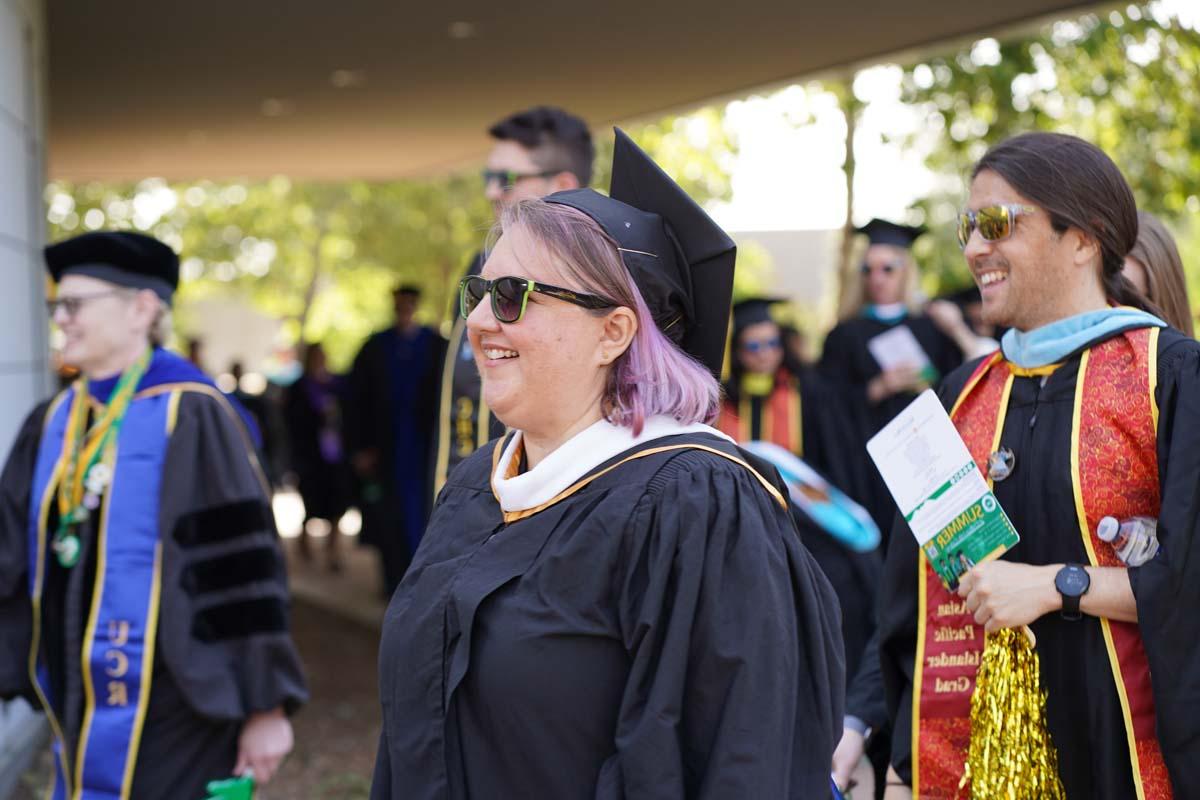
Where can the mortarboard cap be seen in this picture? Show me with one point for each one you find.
(880, 231)
(133, 260)
(752, 311)
(681, 262)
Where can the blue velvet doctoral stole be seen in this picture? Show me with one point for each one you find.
(122, 622)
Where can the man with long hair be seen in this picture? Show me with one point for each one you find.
(1088, 410)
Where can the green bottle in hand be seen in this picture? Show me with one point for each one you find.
(231, 789)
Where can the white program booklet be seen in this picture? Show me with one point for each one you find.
(940, 490)
(899, 348)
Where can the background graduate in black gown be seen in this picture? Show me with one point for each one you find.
(611, 602)
(174, 553)
(887, 301)
(391, 408)
(312, 412)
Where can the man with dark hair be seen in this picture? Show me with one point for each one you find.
(389, 422)
(1088, 410)
(143, 596)
(536, 152)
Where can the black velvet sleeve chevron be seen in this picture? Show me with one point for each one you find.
(225, 611)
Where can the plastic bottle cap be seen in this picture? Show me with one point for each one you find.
(1108, 528)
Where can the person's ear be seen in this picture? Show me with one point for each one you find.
(1084, 249)
(565, 181)
(616, 334)
(146, 305)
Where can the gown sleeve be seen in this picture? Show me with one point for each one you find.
(1167, 588)
(15, 610)
(898, 610)
(864, 695)
(224, 583)
(736, 679)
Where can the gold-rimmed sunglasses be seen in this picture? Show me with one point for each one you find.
(994, 223)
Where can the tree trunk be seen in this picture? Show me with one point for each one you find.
(310, 292)
(848, 279)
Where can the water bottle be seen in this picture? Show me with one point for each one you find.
(1135, 539)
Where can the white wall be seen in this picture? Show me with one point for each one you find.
(24, 375)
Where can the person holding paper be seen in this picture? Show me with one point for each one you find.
(611, 602)
(1088, 410)
(884, 351)
(884, 347)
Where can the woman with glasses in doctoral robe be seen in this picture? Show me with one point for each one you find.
(611, 601)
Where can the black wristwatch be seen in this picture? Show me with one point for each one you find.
(1072, 582)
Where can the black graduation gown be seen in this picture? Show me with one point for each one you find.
(1083, 709)
(660, 633)
(223, 648)
(846, 361)
(395, 499)
(324, 483)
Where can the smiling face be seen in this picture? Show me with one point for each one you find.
(1035, 275)
(545, 373)
(110, 329)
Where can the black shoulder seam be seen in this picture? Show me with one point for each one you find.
(1173, 346)
(679, 461)
(952, 385)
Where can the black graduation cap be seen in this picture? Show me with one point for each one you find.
(127, 259)
(680, 260)
(880, 231)
(752, 311)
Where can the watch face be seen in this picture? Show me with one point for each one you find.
(1072, 581)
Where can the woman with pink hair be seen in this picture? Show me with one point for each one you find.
(611, 601)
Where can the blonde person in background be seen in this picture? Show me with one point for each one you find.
(1154, 267)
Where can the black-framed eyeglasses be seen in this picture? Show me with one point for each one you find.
(72, 303)
(511, 294)
(508, 178)
(993, 222)
(886, 269)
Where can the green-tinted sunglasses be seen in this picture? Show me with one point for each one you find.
(994, 222)
(510, 295)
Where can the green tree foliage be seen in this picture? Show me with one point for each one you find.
(1129, 81)
(322, 257)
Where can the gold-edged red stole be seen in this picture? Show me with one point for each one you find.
(1114, 466)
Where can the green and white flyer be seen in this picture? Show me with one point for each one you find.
(939, 489)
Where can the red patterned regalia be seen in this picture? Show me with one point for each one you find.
(1086, 438)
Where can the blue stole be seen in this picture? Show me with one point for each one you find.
(1043, 346)
(122, 622)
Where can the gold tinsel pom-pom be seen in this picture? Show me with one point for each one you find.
(1011, 756)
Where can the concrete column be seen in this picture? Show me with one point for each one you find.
(24, 373)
